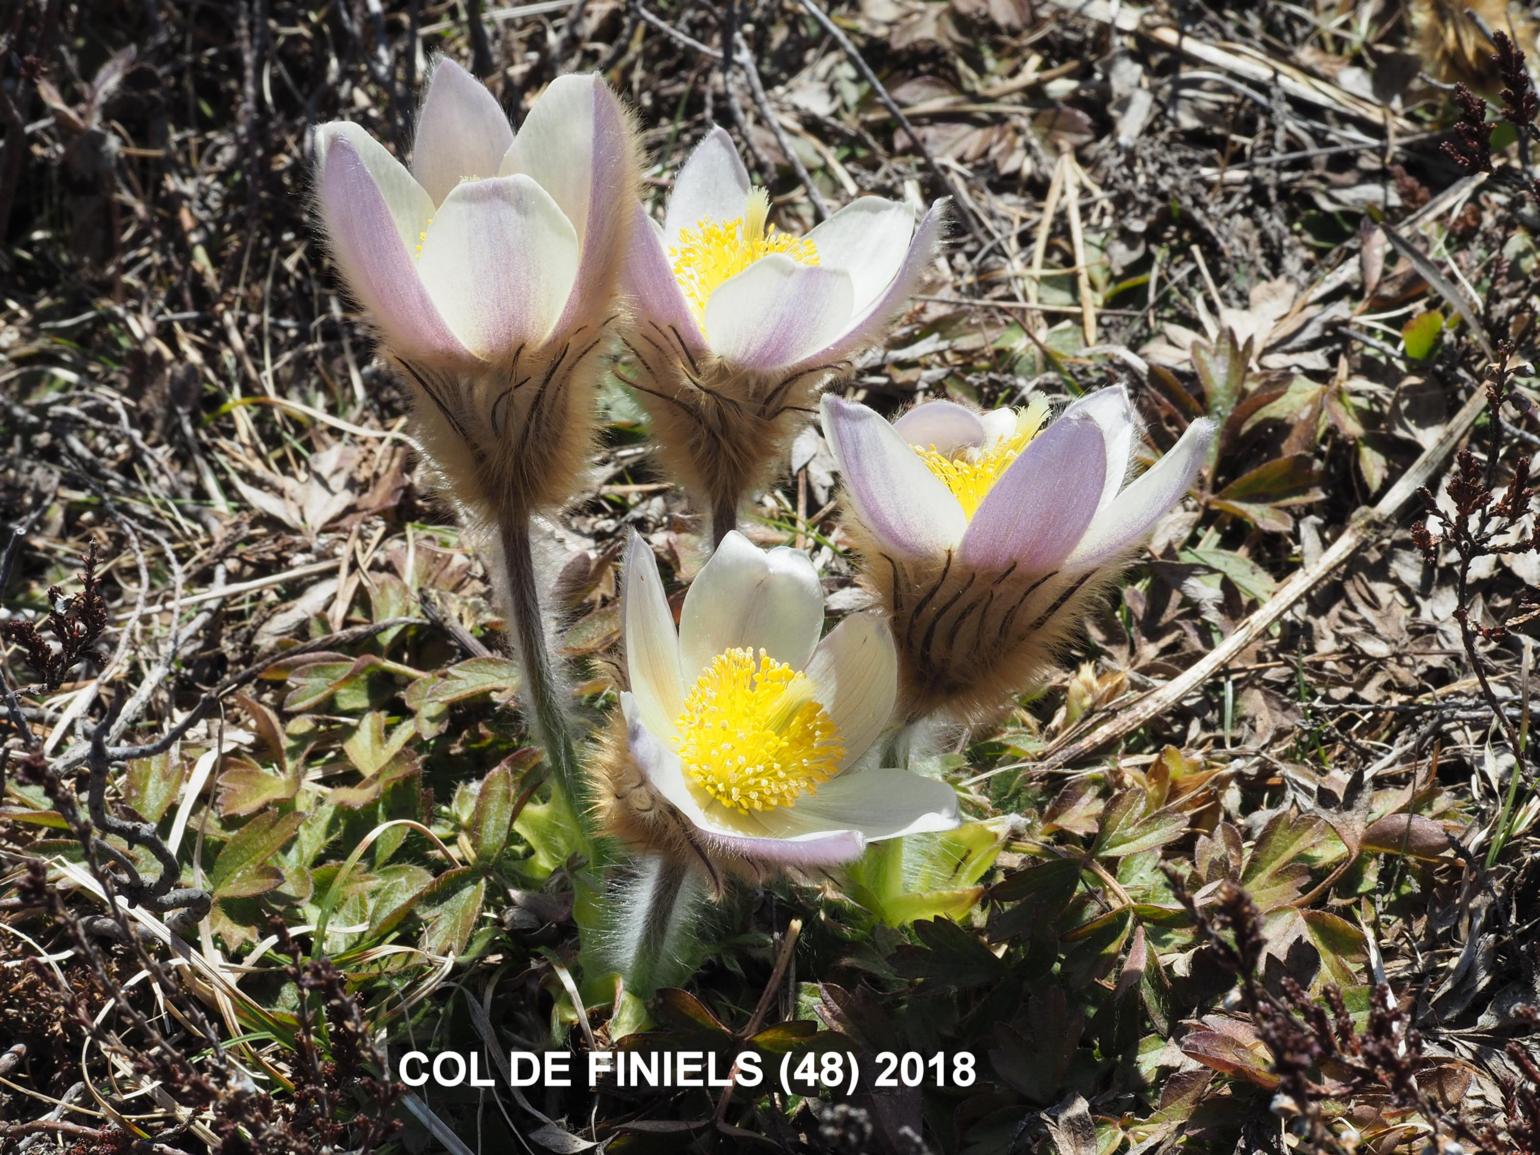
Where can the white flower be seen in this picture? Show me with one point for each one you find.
(489, 242)
(987, 534)
(748, 728)
(730, 285)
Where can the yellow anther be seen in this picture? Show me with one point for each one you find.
(715, 251)
(752, 737)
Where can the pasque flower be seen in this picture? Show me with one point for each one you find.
(489, 268)
(985, 534)
(745, 735)
(738, 323)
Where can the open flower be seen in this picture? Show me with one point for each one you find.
(985, 534)
(739, 323)
(744, 731)
(489, 267)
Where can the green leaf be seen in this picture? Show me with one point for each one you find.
(256, 842)
(1126, 829)
(151, 785)
(1420, 334)
(246, 788)
(1340, 945)
(1250, 578)
(493, 815)
(451, 922)
(368, 747)
(430, 696)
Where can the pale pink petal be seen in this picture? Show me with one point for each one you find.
(854, 673)
(499, 261)
(820, 848)
(1134, 512)
(899, 501)
(576, 145)
(941, 425)
(869, 239)
(713, 185)
(650, 283)
(1114, 414)
(776, 313)
(366, 241)
(753, 599)
(462, 132)
(866, 328)
(651, 641)
(878, 803)
(1036, 513)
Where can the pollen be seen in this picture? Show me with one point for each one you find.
(971, 473)
(422, 239)
(752, 737)
(715, 251)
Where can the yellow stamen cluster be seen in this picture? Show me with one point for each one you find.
(715, 251)
(752, 737)
(970, 473)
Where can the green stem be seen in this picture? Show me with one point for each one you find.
(543, 690)
(664, 890)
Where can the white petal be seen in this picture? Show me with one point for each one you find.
(854, 672)
(751, 598)
(649, 281)
(358, 181)
(499, 261)
(410, 206)
(651, 642)
(943, 425)
(879, 803)
(868, 239)
(1113, 413)
(660, 764)
(866, 327)
(1134, 512)
(999, 425)
(777, 313)
(900, 502)
(462, 132)
(713, 185)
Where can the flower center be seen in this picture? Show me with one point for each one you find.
(714, 251)
(751, 735)
(971, 472)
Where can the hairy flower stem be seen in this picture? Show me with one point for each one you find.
(663, 892)
(543, 690)
(724, 518)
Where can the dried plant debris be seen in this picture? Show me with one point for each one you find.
(273, 810)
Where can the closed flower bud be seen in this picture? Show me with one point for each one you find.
(490, 268)
(986, 535)
(738, 324)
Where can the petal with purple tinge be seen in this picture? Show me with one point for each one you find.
(366, 217)
(576, 146)
(754, 599)
(462, 132)
(882, 802)
(869, 239)
(649, 280)
(499, 261)
(713, 185)
(866, 327)
(889, 489)
(651, 641)
(1114, 414)
(818, 848)
(941, 425)
(776, 313)
(1036, 513)
(1134, 512)
(854, 673)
